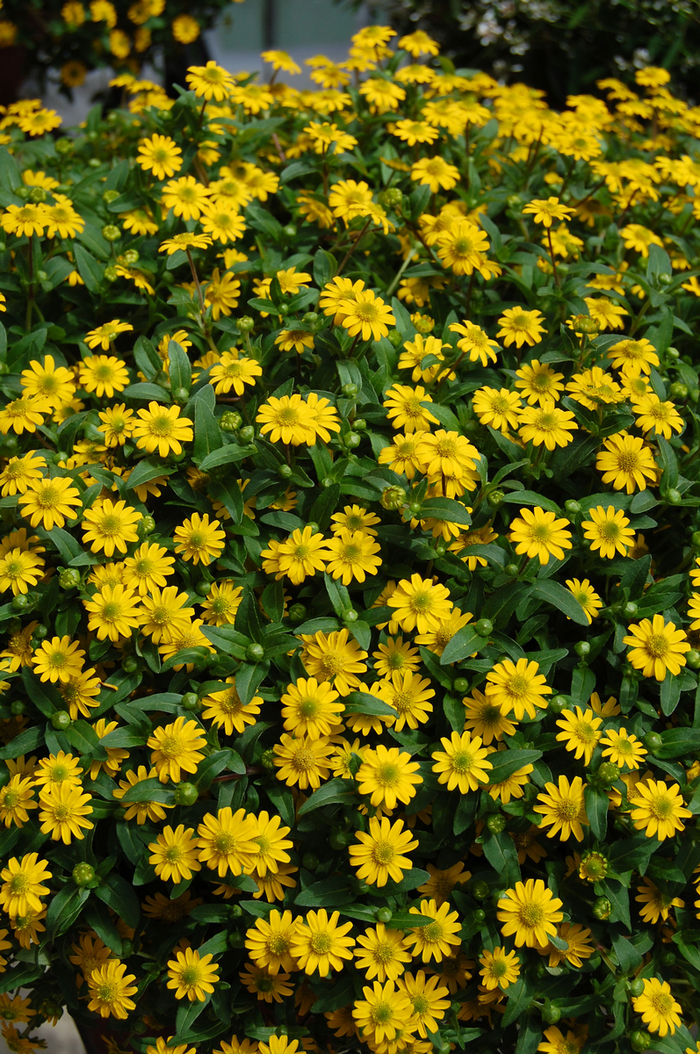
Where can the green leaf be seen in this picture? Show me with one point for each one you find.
(119, 895)
(597, 805)
(329, 892)
(338, 596)
(519, 998)
(150, 790)
(180, 371)
(147, 358)
(445, 509)
(529, 497)
(679, 742)
(561, 598)
(364, 703)
(627, 955)
(88, 268)
(145, 471)
(64, 908)
(227, 455)
(335, 791)
(507, 762)
(670, 694)
(465, 642)
(669, 463)
(325, 264)
(24, 743)
(404, 920)
(207, 435)
(501, 852)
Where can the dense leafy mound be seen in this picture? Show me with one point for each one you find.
(349, 491)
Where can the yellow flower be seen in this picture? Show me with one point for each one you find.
(499, 968)
(319, 943)
(199, 540)
(110, 988)
(659, 809)
(174, 854)
(608, 531)
(546, 424)
(176, 748)
(63, 812)
(562, 808)
(657, 646)
(586, 596)
(388, 776)
(162, 430)
(437, 939)
(539, 534)
(160, 155)
(660, 1011)
(545, 211)
(379, 855)
(518, 687)
(462, 764)
(529, 913)
(192, 975)
(520, 326)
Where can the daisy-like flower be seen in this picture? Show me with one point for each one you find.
(383, 1014)
(104, 335)
(176, 748)
(222, 602)
(110, 989)
(270, 837)
(366, 316)
(159, 155)
(439, 937)
(335, 657)
(485, 718)
(388, 776)
(546, 424)
(311, 709)
(655, 903)
(49, 502)
(541, 534)
(164, 615)
(20, 569)
(379, 856)
(210, 82)
(580, 732)
(546, 210)
(496, 408)
(420, 604)
(555, 1042)
(103, 375)
(462, 246)
(623, 748)
(428, 999)
(185, 196)
(182, 242)
(660, 1011)
(269, 942)
(23, 885)
(221, 221)
(579, 947)
(352, 556)
(520, 326)
(462, 764)
(58, 659)
(659, 809)
(562, 809)
(63, 812)
(227, 711)
(199, 540)
(286, 419)
(319, 943)
(586, 596)
(608, 531)
(302, 761)
(299, 557)
(626, 462)
(529, 913)
(174, 854)
(16, 797)
(657, 416)
(191, 975)
(117, 424)
(147, 567)
(657, 646)
(633, 357)
(382, 953)
(109, 525)
(233, 372)
(23, 414)
(475, 343)
(266, 986)
(499, 968)
(405, 408)
(435, 173)
(518, 687)
(161, 430)
(20, 472)
(113, 612)
(48, 381)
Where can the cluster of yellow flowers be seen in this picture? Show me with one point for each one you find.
(301, 740)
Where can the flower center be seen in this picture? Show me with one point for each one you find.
(321, 943)
(383, 853)
(657, 645)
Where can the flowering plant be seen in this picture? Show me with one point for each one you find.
(74, 37)
(349, 494)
